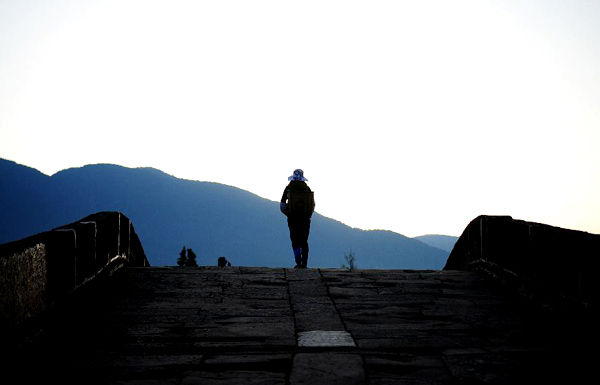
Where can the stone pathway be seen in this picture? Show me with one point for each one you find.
(313, 326)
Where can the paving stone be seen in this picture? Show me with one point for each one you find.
(406, 369)
(243, 325)
(254, 359)
(258, 292)
(325, 339)
(419, 340)
(272, 319)
(324, 320)
(269, 334)
(142, 360)
(327, 368)
(353, 292)
(243, 377)
(312, 305)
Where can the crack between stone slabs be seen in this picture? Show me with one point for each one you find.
(356, 349)
(289, 293)
(288, 374)
(323, 281)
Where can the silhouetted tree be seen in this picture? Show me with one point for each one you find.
(191, 259)
(182, 260)
(351, 259)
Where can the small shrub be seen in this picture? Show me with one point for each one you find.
(350, 258)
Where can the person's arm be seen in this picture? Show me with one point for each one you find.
(284, 196)
(282, 204)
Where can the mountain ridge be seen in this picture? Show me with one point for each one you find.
(443, 242)
(211, 218)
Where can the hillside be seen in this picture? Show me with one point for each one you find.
(443, 242)
(212, 219)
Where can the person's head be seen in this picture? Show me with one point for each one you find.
(298, 176)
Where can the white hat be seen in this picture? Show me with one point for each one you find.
(298, 175)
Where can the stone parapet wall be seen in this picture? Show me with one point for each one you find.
(37, 271)
(554, 265)
(23, 283)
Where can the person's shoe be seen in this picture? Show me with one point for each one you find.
(297, 267)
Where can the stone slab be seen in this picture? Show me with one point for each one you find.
(325, 339)
(327, 368)
(198, 325)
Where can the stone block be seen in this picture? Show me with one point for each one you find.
(107, 236)
(22, 284)
(137, 256)
(60, 262)
(325, 339)
(115, 235)
(85, 250)
(124, 236)
(327, 368)
(326, 319)
(539, 260)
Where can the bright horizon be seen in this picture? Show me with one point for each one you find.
(414, 117)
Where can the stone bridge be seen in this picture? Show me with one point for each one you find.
(514, 304)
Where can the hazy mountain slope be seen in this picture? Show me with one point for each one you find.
(213, 219)
(23, 199)
(443, 242)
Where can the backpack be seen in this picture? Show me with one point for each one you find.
(301, 203)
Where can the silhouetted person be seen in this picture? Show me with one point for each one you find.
(298, 204)
(223, 262)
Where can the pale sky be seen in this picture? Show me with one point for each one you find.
(410, 116)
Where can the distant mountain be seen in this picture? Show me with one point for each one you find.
(443, 242)
(212, 219)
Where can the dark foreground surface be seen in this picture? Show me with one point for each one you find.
(276, 326)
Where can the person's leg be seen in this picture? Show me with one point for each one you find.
(298, 252)
(304, 262)
(296, 240)
(305, 234)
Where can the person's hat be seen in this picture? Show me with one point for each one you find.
(298, 175)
